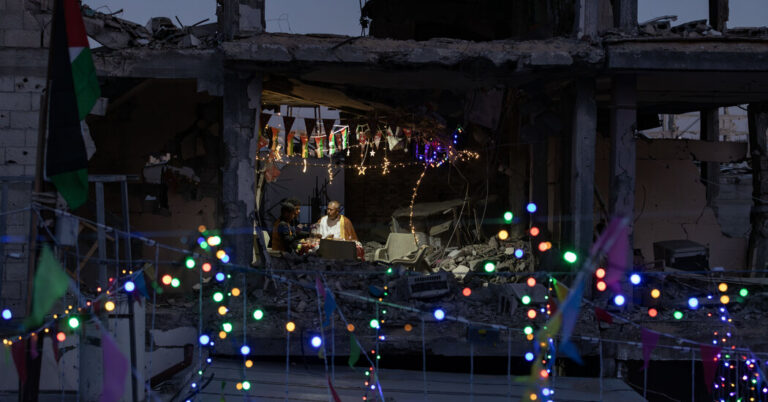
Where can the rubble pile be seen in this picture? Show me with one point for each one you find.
(116, 33)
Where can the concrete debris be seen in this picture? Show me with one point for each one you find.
(116, 33)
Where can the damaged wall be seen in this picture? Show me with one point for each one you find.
(670, 204)
(150, 121)
(23, 59)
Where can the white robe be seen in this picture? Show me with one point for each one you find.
(324, 230)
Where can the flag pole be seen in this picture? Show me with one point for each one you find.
(31, 388)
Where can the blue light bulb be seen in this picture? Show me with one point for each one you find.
(619, 300)
(439, 314)
(129, 286)
(204, 339)
(531, 207)
(635, 279)
(220, 276)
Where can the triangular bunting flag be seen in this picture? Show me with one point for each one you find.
(617, 260)
(333, 391)
(603, 315)
(288, 123)
(330, 306)
(309, 125)
(319, 286)
(328, 125)
(115, 367)
(319, 140)
(709, 364)
(354, 351)
(19, 353)
(51, 283)
(304, 145)
(289, 143)
(650, 339)
(141, 286)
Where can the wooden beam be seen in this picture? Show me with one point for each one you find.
(583, 163)
(757, 116)
(710, 171)
(718, 14)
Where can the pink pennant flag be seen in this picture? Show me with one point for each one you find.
(709, 363)
(650, 339)
(333, 391)
(115, 368)
(319, 286)
(617, 259)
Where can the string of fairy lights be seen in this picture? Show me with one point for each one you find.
(739, 371)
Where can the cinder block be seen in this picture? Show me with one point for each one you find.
(28, 84)
(29, 170)
(5, 119)
(22, 38)
(20, 155)
(30, 137)
(12, 138)
(11, 170)
(11, 290)
(35, 102)
(23, 120)
(16, 101)
(16, 271)
(6, 83)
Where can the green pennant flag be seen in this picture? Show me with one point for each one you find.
(354, 351)
(51, 282)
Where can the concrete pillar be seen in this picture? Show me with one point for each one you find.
(623, 125)
(587, 15)
(240, 17)
(625, 15)
(240, 139)
(710, 171)
(718, 14)
(583, 163)
(757, 115)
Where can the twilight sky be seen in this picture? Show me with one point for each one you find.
(341, 16)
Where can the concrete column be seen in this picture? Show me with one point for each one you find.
(718, 14)
(757, 115)
(583, 163)
(587, 15)
(623, 156)
(241, 17)
(625, 15)
(710, 171)
(240, 139)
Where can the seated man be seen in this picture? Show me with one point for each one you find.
(284, 236)
(335, 225)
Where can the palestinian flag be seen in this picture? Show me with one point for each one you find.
(74, 90)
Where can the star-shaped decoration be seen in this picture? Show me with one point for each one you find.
(373, 152)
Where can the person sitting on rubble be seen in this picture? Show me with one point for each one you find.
(284, 237)
(335, 225)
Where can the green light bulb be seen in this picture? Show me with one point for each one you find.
(526, 299)
(508, 216)
(190, 263)
(528, 330)
(218, 296)
(678, 315)
(743, 292)
(374, 323)
(570, 257)
(74, 322)
(489, 267)
(175, 282)
(227, 327)
(246, 385)
(258, 314)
